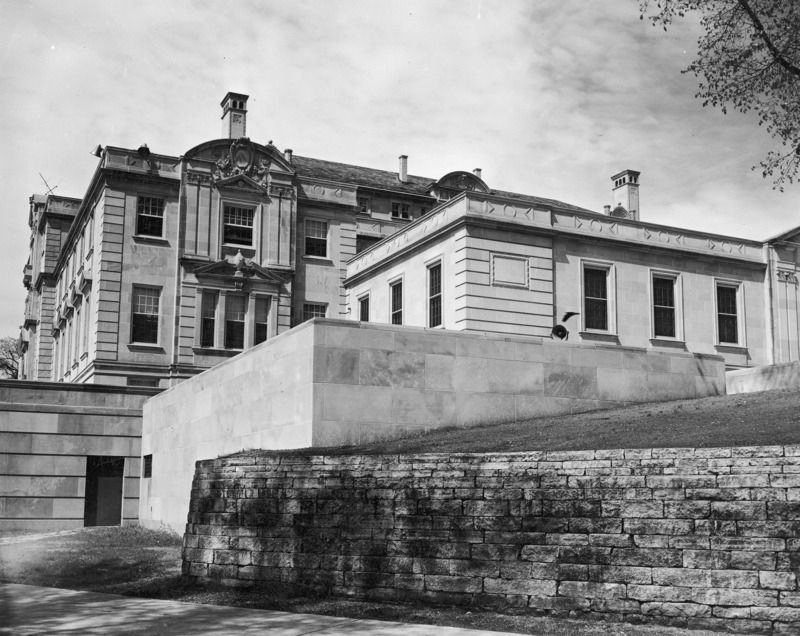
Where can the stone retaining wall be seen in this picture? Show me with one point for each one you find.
(699, 538)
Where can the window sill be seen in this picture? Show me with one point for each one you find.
(213, 351)
(148, 348)
(318, 259)
(730, 348)
(155, 240)
(668, 342)
(600, 336)
(237, 246)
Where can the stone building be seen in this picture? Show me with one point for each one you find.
(171, 264)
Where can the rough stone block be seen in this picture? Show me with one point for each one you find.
(778, 580)
(583, 589)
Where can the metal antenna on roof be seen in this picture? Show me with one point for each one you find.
(47, 185)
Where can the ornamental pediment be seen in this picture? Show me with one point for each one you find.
(240, 269)
(241, 182)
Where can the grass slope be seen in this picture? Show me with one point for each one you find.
(751, 419)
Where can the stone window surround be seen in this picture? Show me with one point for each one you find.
(306, 236)
(306, 311)
(429, 265)
(134, 289)
(145, 204)
(360, 299)
(678, 308)
(740, 314)
(611, 287)
(219, 319)
(402, 207)
(255, 227)
(393, 282)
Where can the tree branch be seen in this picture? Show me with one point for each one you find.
(763, 33)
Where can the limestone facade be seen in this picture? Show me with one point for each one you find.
(69, 455)
(172, 263)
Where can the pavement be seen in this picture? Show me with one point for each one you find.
(26, 610)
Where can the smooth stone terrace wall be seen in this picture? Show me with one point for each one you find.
(698, 538)
(772, 376)
(334, 382)
(47, 430)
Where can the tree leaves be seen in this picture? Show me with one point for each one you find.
(9, 358)
(748, 59)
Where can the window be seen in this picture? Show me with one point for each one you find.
(435, 295)
(364, 205)
(144, 326)
(262, 319)
(87, 315)
(401, 211)
(727, 314)
(147, 466)
(396, 292)
(595, 298)
(664, 307)
(363, 308)
(316, 238)
(150, 216)
(311, 310)
(365, 242)
(235, 311)
(208, 318)
(238, 225)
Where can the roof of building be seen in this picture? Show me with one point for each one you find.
(386, 180)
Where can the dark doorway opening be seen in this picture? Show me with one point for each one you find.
(103, 491)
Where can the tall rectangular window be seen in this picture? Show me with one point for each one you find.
(235, 311)
(664, 307)
(316, 238)
(435, 295)
(262, 319)
(396, 292)
(363, 205)
(727, 314)
(363, 308)
(144, 322)
(150, 216)
(595, 298)
(401, 211)
(208, 318)
(238, 225)
(87, 320)
(313, 310)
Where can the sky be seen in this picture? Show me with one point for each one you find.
(547, 97)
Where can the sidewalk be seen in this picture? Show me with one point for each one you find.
(27, 610)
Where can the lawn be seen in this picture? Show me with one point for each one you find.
(751, 419)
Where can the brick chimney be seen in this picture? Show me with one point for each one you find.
(287, 154)
(477, 172)
(234, 115)
(403, 174)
